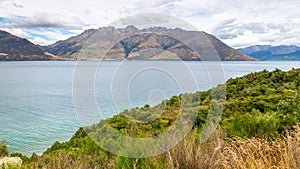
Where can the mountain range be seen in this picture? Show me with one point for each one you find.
(156, 43)
(268, 52)
(13, 48)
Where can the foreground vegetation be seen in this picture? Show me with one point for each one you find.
(3, 149)
(259, 128)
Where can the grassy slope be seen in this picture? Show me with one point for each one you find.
(259, 108)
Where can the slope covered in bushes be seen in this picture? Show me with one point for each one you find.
(259, 109)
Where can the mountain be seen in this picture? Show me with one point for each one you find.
(13, 48)
(156, 43)
(268, 52)
(71, 46)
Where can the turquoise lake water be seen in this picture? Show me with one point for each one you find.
(36, 101)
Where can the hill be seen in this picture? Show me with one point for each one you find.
(13, 48)
(260, 108)
(157, 43)
(267, 52)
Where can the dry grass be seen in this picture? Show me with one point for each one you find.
(236, 153)
(219, 152)
(254, 153)
(191, 154)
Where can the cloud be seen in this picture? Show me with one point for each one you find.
(44, 20)
(49, 36)
(236, 22)
(152, 19)
(254, 27)
(227, 36)
(17, 5)
(230, 31)
(42, 36)
(39, 41)
(1, 1)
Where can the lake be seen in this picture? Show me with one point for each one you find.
(37, 106)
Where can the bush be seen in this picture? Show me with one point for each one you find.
(3, 149)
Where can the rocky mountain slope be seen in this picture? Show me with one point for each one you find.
(13, 48)
(157, 43)
(267, 52)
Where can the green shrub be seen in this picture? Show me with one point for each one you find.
(3, 149)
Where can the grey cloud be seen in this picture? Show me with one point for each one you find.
(268, 39)
(224, 29)
(241, 44)
(225, 24)
(227, 36)
(254, 27)
(229, 30)
(228, 22)
(44, 20)
(17, 5)
(283, 28)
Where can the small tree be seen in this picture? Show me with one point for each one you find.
(3, 149)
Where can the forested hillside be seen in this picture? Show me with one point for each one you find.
(258, 129)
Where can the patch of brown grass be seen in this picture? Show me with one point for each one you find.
(237, 153)
(257, 153)
(218, 152)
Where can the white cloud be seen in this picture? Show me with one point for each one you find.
(236, 22)
(40, 41)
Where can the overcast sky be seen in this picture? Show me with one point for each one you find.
(238, 23)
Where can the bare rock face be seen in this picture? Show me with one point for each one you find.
(156, 43)
(13, 48)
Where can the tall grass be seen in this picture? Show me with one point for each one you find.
(218, 152)
(259, 153)
(234, 153)
(237, 153)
